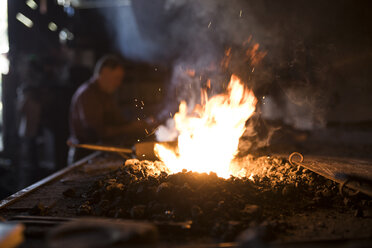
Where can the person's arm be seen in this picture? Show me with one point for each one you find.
(92, 115)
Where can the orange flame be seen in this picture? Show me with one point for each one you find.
(254, 55)
(209, 136)
(226, 60)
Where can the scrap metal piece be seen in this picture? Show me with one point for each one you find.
(353, 173)
(342, 186)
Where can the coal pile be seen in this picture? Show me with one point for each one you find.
(216, 207)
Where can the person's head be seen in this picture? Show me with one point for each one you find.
(109, 72)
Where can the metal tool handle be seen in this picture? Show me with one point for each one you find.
(100, 148)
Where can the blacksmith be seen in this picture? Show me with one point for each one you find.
(94, 115)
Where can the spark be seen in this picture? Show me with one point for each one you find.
(138, 119)
(24, 20)
(241, 13)
(209, 25)
(253, 69)
(156, 69)
(153, 131)
(147, 132)
(143, 104)
(138, 140)
(135, 100)
(141, 107)
(159, 89)
(263, 97)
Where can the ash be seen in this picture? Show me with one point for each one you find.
(218, 208)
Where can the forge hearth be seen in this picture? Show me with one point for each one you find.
(217, 207)
(287, 203)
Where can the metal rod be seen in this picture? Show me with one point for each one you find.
(44, 218)
(18, 195)
(101, 148)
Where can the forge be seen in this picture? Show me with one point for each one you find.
(202, 190)
(281, 203)
(186, 123)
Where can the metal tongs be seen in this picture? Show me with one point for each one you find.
(124, 152)
(142, 150)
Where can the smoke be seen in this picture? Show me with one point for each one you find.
(294, 82)
(167, 132)
(257, 135)
(122, 25)
(205, 30)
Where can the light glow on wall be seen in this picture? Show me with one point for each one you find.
(4, 43)
(4, 62)
(25, 20)
(52, 26)
(32, 4)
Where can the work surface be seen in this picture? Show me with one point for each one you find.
(62, 195)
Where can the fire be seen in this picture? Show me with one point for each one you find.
(209, 136)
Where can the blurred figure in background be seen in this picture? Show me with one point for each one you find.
(94, 115)
(37, 119)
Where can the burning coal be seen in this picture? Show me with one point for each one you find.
(208, 136)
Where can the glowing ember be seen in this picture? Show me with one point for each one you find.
(209, 136)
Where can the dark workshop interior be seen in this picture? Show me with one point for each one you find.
(285, 162)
